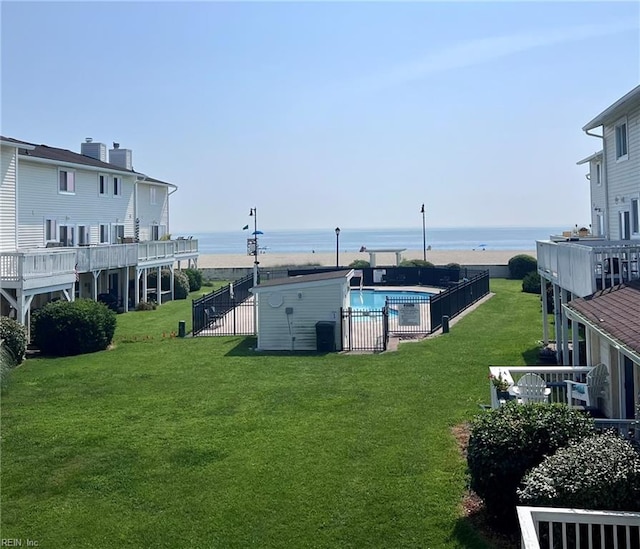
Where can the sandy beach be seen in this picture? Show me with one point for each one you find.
(437, 257)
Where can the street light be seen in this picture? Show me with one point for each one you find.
(253, 212)
(337, 247)
(424, 236)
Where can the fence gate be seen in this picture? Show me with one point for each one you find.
(364, 330)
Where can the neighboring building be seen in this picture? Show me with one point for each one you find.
(76, 225)
(592, 277)
(289, 310)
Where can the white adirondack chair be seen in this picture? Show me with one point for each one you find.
(587, 394)
(532, 388)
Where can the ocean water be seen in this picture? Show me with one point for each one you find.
(351, 240)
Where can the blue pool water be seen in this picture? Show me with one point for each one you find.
(376, 299)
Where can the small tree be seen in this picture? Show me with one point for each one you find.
(416, 263)
(520, 265)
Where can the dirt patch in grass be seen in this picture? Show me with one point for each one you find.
(473, 506)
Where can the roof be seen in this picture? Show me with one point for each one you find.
(614, 311)
(594, 156)
(316, 277)
(32, 150)
(620, 107)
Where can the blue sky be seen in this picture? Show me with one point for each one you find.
(346, 114)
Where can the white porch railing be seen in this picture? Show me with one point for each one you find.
(553, 375)
(550, 527)
(584, 267)
(185, 246)
(94, 258)
(21, 266)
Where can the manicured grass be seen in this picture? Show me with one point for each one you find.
(203, 442)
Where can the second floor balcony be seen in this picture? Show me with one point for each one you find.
(586, 266)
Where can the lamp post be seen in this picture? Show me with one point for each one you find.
(424, 235)
(337, 247)
(253, 212)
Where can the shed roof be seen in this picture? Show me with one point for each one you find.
(620, 107)
(614, 311)
(594, 156)
(300, 279)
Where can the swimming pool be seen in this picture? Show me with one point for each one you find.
(376, 299)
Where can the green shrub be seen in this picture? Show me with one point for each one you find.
(195, 279)
(508, 441)
(598, 472)
(14, 336)
(531, 283)
(453, 266)
(359, 264)
(64, 328)
(520, 265)
(207, 283)
(180, 285)
(416, 263)
(146, 306)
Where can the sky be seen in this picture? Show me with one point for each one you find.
(325, 114)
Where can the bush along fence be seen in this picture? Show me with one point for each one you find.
(208, 310)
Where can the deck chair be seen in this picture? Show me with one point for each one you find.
(532, 388)
(213, 317)
(589, 392)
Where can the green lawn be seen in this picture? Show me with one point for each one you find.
(167, 442)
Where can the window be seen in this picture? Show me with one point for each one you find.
(600, 224)
(635, 216)
(66, 181)
(625, 222)
(67, 233)
(152, 195)
(104, 233)
(83, 235)
(117, 233)
(103, 184)
(117, 186)
(50, 230)
(621, 141)
(598, 174)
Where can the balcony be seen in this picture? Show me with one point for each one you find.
(37, 268)
(95, 258)
(584, 266)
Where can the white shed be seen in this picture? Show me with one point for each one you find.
(290, 308)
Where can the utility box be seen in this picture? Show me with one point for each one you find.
(326, 336)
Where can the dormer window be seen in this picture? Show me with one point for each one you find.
(66, 181)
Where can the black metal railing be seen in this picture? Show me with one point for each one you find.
(408, 314)
(208, 310)
(457, 298)
(364, 330)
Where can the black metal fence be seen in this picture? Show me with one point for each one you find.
(364, 330)
(211, 312)
(457, 298)
(409, 314)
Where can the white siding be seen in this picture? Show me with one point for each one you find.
(39, 199)
(598, 193)
(310, 305)
(8, 199)
(150, 214)
(623, 177)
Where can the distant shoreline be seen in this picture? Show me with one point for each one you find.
(437, 257)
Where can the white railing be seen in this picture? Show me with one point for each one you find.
(551, 527)
(185, 246)
(94, 258)
(584, 268)
(553, 375)
(155, 249)
(18, 266)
